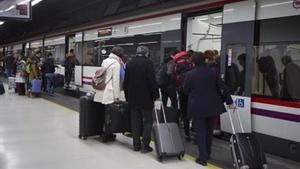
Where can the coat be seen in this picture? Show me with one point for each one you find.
(139, 84)
(112, 77)
(206, 91)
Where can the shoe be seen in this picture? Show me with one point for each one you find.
(136, 148)
(146, 149)
(201, 162)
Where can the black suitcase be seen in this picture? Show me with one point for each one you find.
(20, 88)
(2, 90)
(91, 117)
(168, 141)
(246, 150)
(117, 118)
(171, 114)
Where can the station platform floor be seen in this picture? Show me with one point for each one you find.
(42, 133)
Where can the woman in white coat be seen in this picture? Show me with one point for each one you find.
(112, 91)
(113, 65)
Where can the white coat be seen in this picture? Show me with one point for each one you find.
(112, 77)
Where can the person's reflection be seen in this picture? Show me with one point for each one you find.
(242, 61)
(232, 77)
(266, 66)
(291, 83)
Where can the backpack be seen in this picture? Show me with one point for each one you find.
(161, 76)
(183, 64)
(99, 80)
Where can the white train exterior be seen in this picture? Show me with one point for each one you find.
(258, 29)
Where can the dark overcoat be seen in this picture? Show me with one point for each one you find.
(139, 84)
(206, 92)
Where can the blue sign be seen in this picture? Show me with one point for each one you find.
(240, 103)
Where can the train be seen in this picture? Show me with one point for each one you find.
(258, 42)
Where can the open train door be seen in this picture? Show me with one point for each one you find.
(237, 59)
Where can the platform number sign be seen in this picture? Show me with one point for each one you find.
(240, 103)
(296, 4)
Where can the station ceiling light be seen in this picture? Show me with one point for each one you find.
(2, 22)
(34, 2)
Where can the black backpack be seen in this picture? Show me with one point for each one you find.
(161, 76)
(183, 64)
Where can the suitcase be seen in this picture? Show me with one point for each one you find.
(117, 118)
(2, 90)
(11, 83)
(20, 88)
(168, 141)
(246, 150)
(36, 86)
(91, 117)
(59, 80)
(171, 115)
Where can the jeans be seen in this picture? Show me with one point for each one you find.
(183, 101)
(141, 119)
(50, 82)
(9, 72)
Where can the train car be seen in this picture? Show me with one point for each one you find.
(259, 50)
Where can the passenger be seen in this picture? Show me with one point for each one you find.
(9, 65)
(183, 64)
(166, 81)
(69, 63)
(20, 73)
(32, 72)
(48, 70)
(112, 90)
(210, 58)
(140, 92)
(202, 85)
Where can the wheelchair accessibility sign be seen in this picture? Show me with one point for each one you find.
(240, 103)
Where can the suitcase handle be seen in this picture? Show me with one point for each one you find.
(231, 121)
(163, 109)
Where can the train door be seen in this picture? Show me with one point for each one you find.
(71, 45)
(237, 56)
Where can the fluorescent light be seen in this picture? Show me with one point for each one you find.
(276, 4)
(2, 22)
(9, 8)
(145, 25)
(23, 2)
(218, 17)
(34, 2)
(203, 19)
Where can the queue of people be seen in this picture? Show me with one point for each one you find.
(200, 88)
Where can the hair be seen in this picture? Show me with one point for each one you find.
(49, 55)
(198, 58)
(119, 51)
(216, 52)
(143, 50)
(71, 50)
(209, 55)
(174, 52)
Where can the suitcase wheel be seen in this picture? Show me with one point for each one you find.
(180, 156)
(82, 138)
(161, 158)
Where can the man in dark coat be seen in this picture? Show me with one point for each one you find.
(204, 89)
(140, 92)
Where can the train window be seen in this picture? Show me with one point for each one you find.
(235, 69)
(277, 71)
(57, 52)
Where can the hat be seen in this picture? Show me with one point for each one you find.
(142, 50)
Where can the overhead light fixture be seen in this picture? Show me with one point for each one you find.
(203, 19)
(2, 22)
(34, 2)
(218, 17)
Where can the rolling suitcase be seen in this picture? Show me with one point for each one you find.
(171, 115)
(20, 88)
(91, 115)
(36, 86)
(2, 90)
(117, 118)
(11, 83)
(59, 80)
(246, 150)
(168, 141)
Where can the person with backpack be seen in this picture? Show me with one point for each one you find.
(182, 64)
(107, 81)
(166, 82)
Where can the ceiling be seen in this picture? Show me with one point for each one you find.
(56, 15)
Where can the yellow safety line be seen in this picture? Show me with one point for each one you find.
(186, 156)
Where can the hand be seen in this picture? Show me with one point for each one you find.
(232, 106)
(116, 100)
